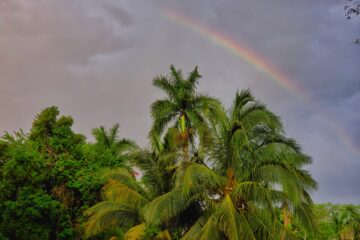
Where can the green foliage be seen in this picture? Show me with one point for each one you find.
(35, 206)
(240, 170)
(333, 222)
(49, 177)
(209, 173)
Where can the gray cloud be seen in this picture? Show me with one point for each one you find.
(120, 15)
(95, 60)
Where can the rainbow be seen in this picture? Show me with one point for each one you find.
(259, 63)
(233, 47)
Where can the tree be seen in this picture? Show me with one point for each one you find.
(252, 168)
(242, 178)
(338, 222)
(50, 176)
(232, 189)
(182, 106)
(346, 221)
(352, 9)
(124, 197)
(108, 149)
(37, 201)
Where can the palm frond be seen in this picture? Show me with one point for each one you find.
(162, 111)
(195, 229)
(176, 74)
(164, 235)
(200, 175)
(194, 76)
(209, 231)
(108, 215)
(232, 222)
(260, 195)
(240, 100)
(168, 205)
(117, 192)
(166, 85)
(135, 233)
(124, 177)
(262, 224)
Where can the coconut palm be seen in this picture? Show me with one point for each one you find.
(123, 198)
(231, 187)
(157, 165)
(124, 195)
(252, 169)
(182, 106)
(249, 144)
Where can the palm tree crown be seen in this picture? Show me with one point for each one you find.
(182, 106)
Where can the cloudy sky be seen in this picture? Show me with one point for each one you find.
(95, 60)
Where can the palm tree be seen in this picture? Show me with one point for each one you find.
(109, 139)
(252, 169)
(124, 196)
(158, 165)
(182, 106)
(109, 149)
(232, 187)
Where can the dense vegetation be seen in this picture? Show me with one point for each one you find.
(208, 173)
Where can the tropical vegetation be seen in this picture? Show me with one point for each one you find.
(208, 172)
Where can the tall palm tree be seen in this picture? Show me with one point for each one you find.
(251, 138)
(252, 169)
(182, 106)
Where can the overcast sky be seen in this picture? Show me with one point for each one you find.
(95, 60)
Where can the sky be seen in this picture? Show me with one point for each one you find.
(96, 59)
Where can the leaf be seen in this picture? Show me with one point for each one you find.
(233, 223)
(135, 233)
(119, 193)
(108, 215)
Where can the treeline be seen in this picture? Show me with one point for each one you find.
(208, 173)
(337, 221)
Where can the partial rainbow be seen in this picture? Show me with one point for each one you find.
(258, 62)
(235, 48)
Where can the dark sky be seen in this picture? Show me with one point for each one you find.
(96, 59)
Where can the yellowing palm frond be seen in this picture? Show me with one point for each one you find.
(117, 192)
(135, 233)
(164, 235)
(108, 215)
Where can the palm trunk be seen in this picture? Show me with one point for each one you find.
(286, 220)
(184, 136)
(186, 151)
(231, 181)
